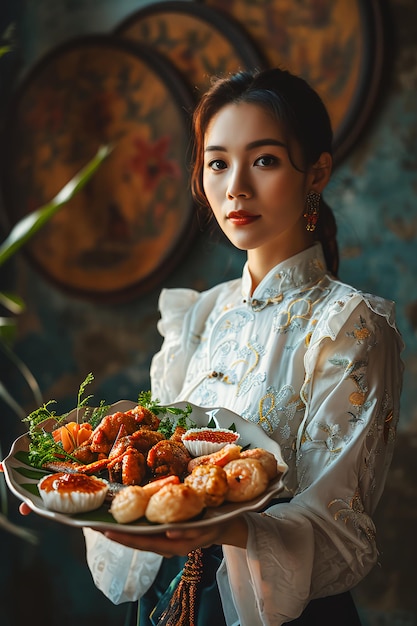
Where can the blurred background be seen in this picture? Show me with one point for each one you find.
(83, 73)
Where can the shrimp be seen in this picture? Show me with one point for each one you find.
(168, 457)
(267, 459)
(174, 503)
(129, 504)
(128, 468)
(210, 481)
(246, 479)
(133, 467)
(113, 426)
(230, 452)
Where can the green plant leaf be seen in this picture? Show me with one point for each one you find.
(30, 224)
(12, 302)
(11, 402)
(27, 375)
(4, 50)
(7, 330)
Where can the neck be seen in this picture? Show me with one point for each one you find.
(260, 263)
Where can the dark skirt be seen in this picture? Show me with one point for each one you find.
(339, 609)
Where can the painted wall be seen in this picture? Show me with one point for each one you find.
(62, 338)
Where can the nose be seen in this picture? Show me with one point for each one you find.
(238, 185)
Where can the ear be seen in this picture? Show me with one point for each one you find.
(320, 172)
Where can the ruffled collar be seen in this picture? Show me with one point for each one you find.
(306, 267)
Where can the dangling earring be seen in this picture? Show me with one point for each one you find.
(312, 210)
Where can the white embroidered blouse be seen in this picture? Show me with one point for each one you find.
(317, 365)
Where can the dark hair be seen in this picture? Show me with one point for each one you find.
(305, 120)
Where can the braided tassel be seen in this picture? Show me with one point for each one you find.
(181, 608)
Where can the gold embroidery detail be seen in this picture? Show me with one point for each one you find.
(360, 331)
(309, 303)
(361, 334)
(387, 426)
(263, 418)
(357, 398)
(355, 513)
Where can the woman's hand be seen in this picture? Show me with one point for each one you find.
(181, 542)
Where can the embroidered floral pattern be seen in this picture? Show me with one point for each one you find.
(360, 332)
(352, 511)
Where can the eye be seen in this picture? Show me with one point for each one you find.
(266, 161)
(217, 165)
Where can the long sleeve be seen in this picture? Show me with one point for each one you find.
(323, 542)
(122, 574)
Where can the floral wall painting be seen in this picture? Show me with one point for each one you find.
(135, 90)
(336, 45)
(126, 228)
(200, 41)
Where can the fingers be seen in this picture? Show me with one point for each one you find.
(24, 509)
(158, 543)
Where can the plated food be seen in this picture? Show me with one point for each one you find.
(153, 480)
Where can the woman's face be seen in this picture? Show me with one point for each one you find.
(255, 192)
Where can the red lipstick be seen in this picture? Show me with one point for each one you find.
(241, 218)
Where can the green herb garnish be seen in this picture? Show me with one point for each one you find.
(213, 424)
(42, 447)
(167, 425)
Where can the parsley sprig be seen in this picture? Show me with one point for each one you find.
(167, 425)
(41, 422)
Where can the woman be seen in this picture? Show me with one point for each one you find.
(314, 361)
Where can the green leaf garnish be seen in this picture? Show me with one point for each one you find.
(82, 402)
(167, 425)
(213, 424)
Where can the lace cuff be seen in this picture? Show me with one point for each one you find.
(121, 573)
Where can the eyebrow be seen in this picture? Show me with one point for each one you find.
(253, 144)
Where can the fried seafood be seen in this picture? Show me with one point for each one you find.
(84, 454)
(113, 426)
(129, 468)
(230, 452)
(144, 417)
(144, 439)
(267, 459)
(178, 433)
(168, 457)
(130, 503)
(210, 481)
(246, 479)
(131, 451)
(174, 503)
